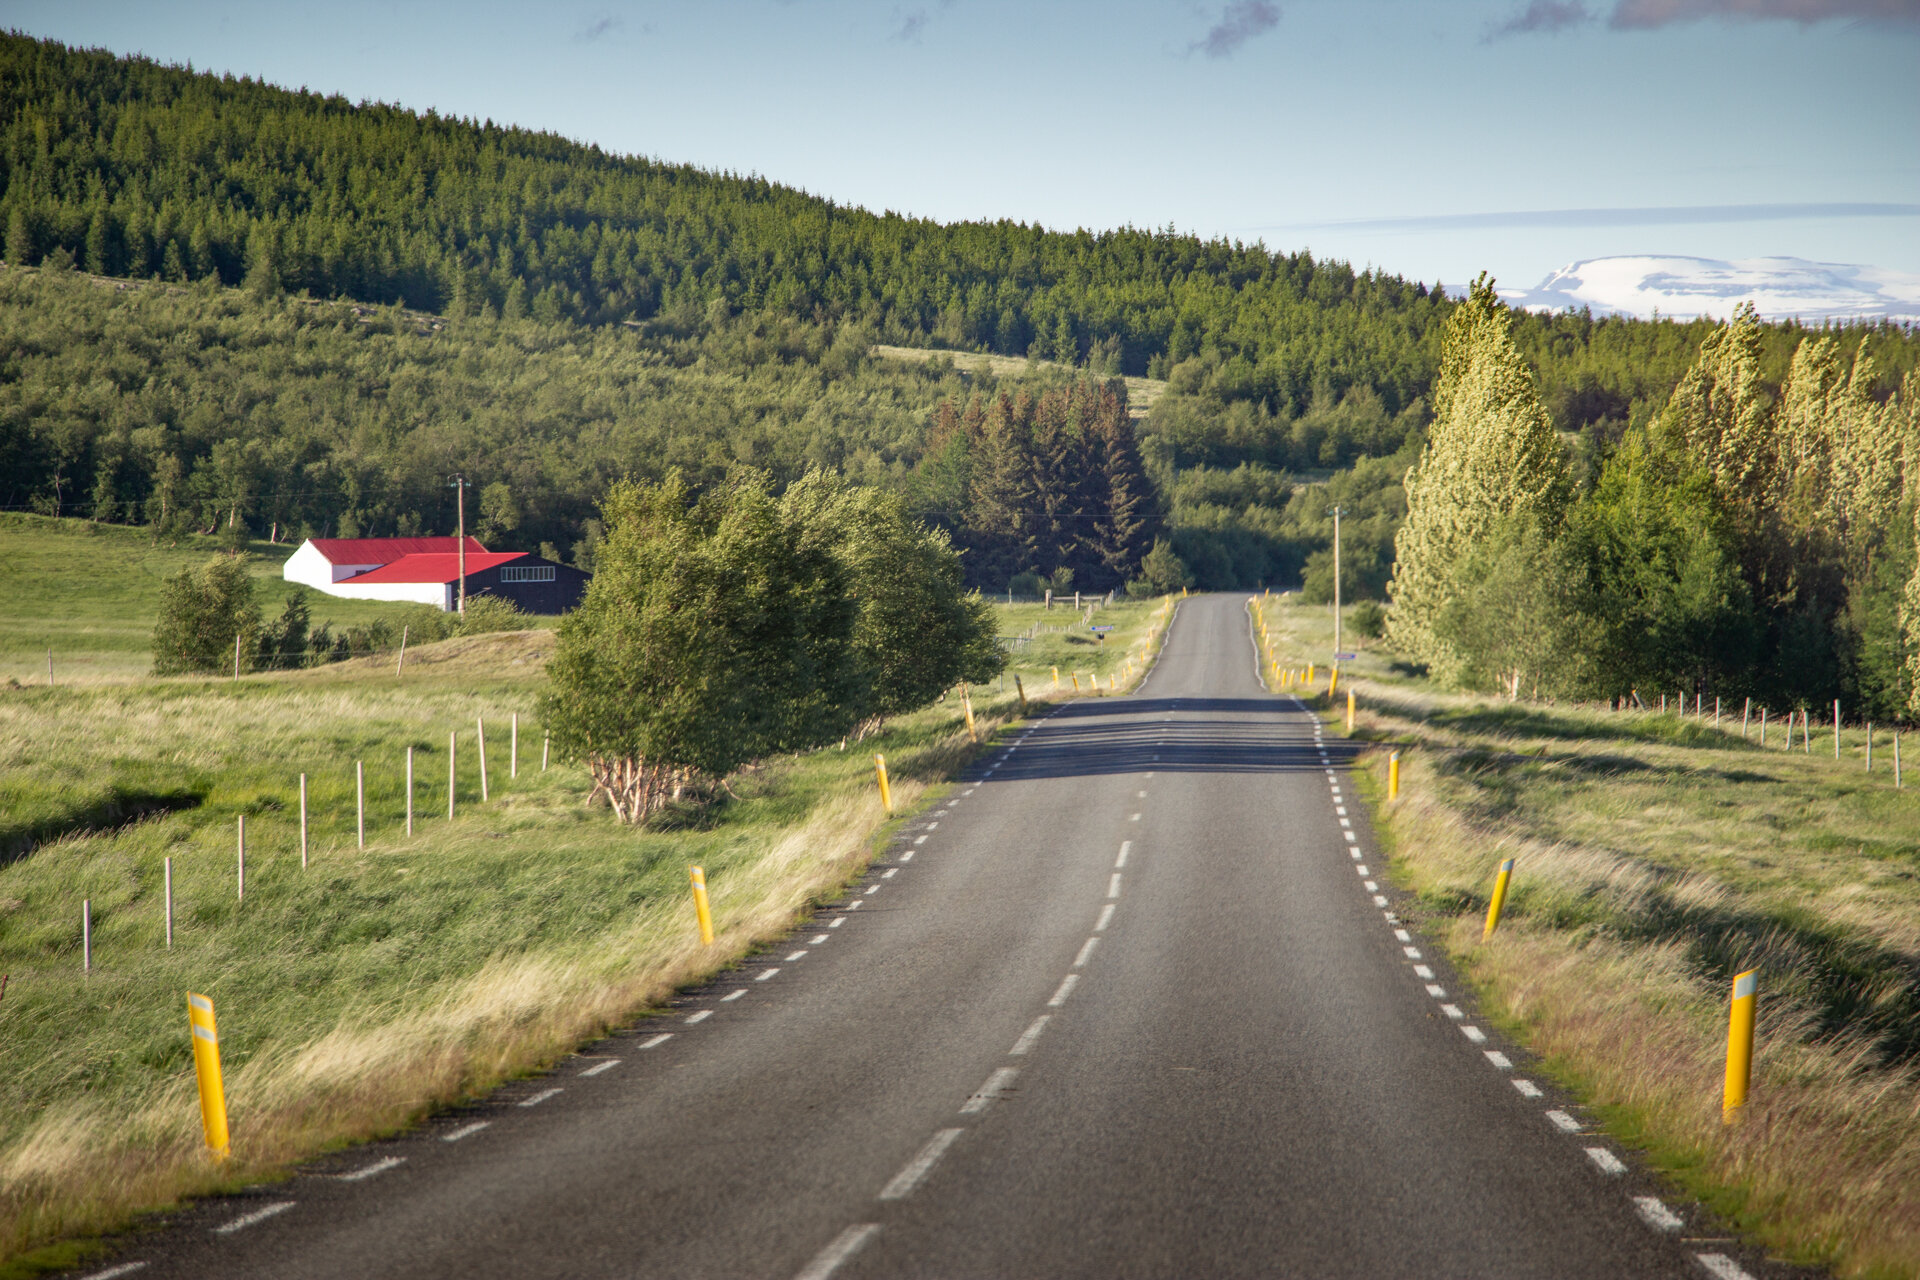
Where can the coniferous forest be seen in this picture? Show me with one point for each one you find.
(282, 313)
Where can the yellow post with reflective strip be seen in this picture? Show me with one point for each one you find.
(1393, 775)
(1056, 677)
(966, 704)
(1349, 713)
(1076, 681)
(1022, 691)
(1309, 673)
(1499, 899)
(702, 911)
(1333, 681)
(886, 792)
(1739, 1046)
(206, 1066)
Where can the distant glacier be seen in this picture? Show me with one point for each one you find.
(1680, 287)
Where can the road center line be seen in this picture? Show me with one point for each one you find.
(654, 1042)
(844, 1246)
(1121, 861)
(1086, 952)
(1437, 992)
(258, 1215)
(611, 1063)
(920, 1166)
(701, 1016)
(768, 974)
(534, 1101)
(1106, 915)
(1067, 984)
(379, 1167)
(872, 889)
(1113, 886)
(1027, 1037)
(465, 1131)
(996, 1084)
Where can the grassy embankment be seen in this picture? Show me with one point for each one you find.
(1657, 856)
(90, 593)
(362, 992)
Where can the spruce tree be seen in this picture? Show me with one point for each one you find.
(1491, 454)
(19, 239)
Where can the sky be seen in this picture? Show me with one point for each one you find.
(1432, 139)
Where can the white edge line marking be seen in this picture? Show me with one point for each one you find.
(1027, 1037)
(1086, 953)
(1564, 1122)
(258, 1215)
(1474, 1034)
(1113, 886)
(1605, 1161)
(534, 1101)
(1121, 861)
(1656, 1214)
(1436, 991)
(768, 974)
(920, 1166)
(1527, 1088)
(465, 1131)
(701, 1016)
(381, 1166)
(988, 1092)
(1106, 917)
(124, 1269)
(1067, 985)
(1721, 1267)
(611, 1063)
(844, 1246)
(1499, 1059)
(654, 1042)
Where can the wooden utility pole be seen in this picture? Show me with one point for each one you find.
(460, 485)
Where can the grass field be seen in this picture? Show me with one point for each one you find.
(362, 991)
(1657, 856)
(91, 592)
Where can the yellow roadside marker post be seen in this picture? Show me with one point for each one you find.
(1076, 681)
(1739, 1047)
(1056, 677)
(1022, 691)
(1393, 775)
(1309, 673)
(701, 910)
(206, 1067)
(1333, 682)
(886, 792)
(966, 704)
(1349, 713)
(1499, 899)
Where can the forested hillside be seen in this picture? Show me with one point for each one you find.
(545, 317)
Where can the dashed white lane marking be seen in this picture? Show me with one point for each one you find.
(768, 974)
(1474, 1034)
(1351, 838)
(816, 939)
(1413, 953)
(1027, 1037)
(1067, 984)
(920, 1166)
(1086, 953)
(379, 1167)
(465, 1131)
(970, 790)
(1379, 900)
(907, 856)
(890, 873)
(1346, 822)
(1106, 915)
(1113, 886)
(1400, 934)
(1452, 1011)
(872, 889)
(1121, 861)
(1140, 795)
(1605, 1161)
(844, 1246)
(261, 1214)
(1721, 1267)
(1527, 1088)
(1357, 855)
(933, 824)
(538, 1098)
(1340, 809)
(836, 922)
(701, 1016)
(1133, 817)
(996, 1084)
(1563, 1122)
(654, 1042)
(1370, 886)
(727, 998)
(1499, 1059)
(1437, 992)
(113, 1273)
(1657, 1215)
(854, 905)
(919, 840)
(611, 1063)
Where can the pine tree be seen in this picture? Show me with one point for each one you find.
(1491, 454)
(19, 238)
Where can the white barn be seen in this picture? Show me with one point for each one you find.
(326, 563)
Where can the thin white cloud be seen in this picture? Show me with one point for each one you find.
(1239, 22)
(1652, 216)
(1641, 14)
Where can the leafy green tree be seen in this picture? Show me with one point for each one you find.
(716, 630)
(499, 514)
(202, 613)
(1491, 454)
(1161, 571)
(282, 643)
(1513, 617)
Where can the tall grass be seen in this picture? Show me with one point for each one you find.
(1656, 856)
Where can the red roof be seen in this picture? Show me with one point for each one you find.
(387, 550)
(433, 568)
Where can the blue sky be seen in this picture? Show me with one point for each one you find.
(1433, 138)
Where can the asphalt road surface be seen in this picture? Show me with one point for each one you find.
(1133, 1001)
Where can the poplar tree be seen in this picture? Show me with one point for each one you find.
(1720, 419)
(1491, 457)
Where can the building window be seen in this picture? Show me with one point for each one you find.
(526, 573)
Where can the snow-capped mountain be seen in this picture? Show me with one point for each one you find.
(1685, 287)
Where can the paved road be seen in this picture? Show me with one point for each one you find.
(1126, 1005)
